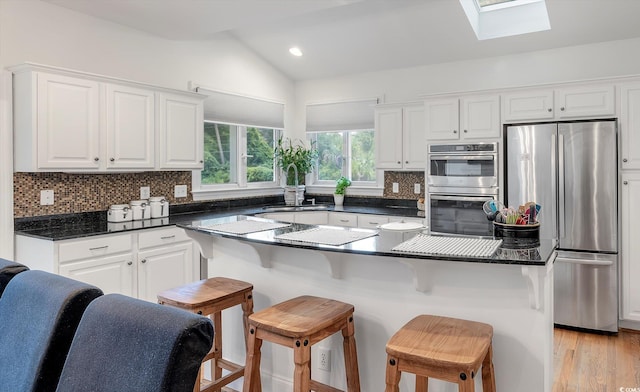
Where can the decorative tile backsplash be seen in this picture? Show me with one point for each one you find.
(406, 182)
(74, 193)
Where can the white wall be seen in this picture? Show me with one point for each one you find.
(608, 59)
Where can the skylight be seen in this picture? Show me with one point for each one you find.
(502, 18)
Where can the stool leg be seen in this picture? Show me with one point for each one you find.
(422, 384)
(488, 378)
(247, 310)
(252, 382)
(467, 385)
(302, 372)
(217, 343)
(351, 356)
(392, 376)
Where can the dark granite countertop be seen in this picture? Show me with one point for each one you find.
(538, 254)
(72, 226)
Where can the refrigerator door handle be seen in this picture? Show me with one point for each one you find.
(561, 200)
(554, 182)
(598, 263)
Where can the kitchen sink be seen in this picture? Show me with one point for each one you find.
(306, 207)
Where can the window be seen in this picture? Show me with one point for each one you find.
(237, 154)
(347, 153)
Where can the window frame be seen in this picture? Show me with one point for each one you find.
(240, 188)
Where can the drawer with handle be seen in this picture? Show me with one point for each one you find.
(160, 237)
(94, 247)
(344, 219)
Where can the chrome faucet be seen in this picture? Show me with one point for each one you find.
(295, 173)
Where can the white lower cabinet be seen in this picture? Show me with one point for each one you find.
(138, 264)
(630, 263)
(344, 219)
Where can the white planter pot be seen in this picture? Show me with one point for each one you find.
(338, 199)
(290, 193)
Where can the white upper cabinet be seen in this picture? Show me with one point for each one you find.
(630, 125)
(181, 124)
(130, 127)
(72, 121)
(474, 117)
(48, 134)
(400, 137)
(527, 105)
(584, 101)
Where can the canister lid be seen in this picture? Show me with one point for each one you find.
(138, 202)
(402, 226)
(119, 206)
(157, 199)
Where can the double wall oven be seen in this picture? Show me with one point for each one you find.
(460, 179)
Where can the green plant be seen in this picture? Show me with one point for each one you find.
(341, 185)
(287, 152)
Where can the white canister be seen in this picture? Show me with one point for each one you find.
(119, 213)
(140, 209)
(159, 207)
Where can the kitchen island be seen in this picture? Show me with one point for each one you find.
(511, 289)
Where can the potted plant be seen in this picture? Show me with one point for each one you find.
(294, 158)
(341, 187)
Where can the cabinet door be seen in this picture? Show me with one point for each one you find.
(164, 268)
(68, 122)
(112, 274)
(366, 221)
(181, 124)
(442, 119)
(343, 219)
(630, 290)
(414, 138)
(630, 126)
(527, 106)
(588, 101)
(312, 217)
(480, 117)
(130, 120)
(388, 126)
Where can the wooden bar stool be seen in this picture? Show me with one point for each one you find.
(299, 323)
(210, 297)
(441, 347)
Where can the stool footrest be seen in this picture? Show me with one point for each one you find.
(320, 387)
(208, 385)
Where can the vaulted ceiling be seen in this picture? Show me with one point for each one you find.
(340, 37)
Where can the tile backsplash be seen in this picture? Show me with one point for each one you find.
(406, 182)
(74, 193)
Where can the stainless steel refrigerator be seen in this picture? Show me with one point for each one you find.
(570, 169)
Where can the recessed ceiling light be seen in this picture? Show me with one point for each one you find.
(295, 51)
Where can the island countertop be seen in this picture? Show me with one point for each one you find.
(539, 253)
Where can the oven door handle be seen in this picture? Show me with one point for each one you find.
(489, 157)
(462, 198)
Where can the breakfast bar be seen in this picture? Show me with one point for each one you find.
(390, 281)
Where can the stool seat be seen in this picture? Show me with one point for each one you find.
(210, 297)
(299, 323)
(441, 347)
(302, 316)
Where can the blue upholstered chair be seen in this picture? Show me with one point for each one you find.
(39, 314)
(126, 344)
(9, 269)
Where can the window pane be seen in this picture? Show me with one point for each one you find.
(329, 155)
(219, 154)
(260, 145)
(363, 162)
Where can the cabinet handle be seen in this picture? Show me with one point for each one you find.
(624, 159)
(454, 131)
(625, 182)
(562, 108)
(344, 220)
(112, 159)
(399, 162)
(168, 237)
(201, 161)
(549, 110)
(99, 247)
(129, 262)
(406, 161)
(465, 131)
(96, 159)
(143, 261)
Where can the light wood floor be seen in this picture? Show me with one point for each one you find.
(585, 362)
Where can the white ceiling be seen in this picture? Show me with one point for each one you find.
(340, 37)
